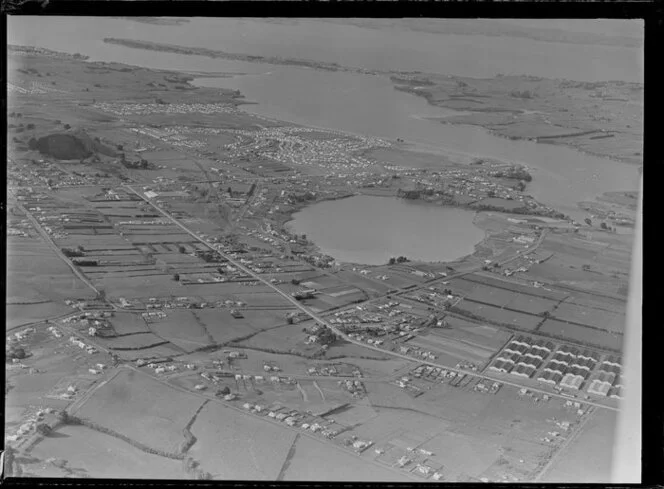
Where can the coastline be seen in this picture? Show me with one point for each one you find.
(401, 81)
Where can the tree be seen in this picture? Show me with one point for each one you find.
(588, 221)
(181, 249)
(16, 352)
(176, 277)
(67, 126)
(392, 261)
(603, 226)
(43, 429)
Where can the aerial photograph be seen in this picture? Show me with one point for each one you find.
(344, 249)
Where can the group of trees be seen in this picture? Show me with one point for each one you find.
(15, 351)
(602, 225)
(69, 253)
(142, 164)
(400, 259)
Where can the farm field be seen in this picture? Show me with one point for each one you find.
(491, 313)
(281, 339)
(353, 351)
(143, 409)
(597, 318)
(260, 319)
(491, 295)
(315, 460)
(515, 287)
(378, 287)
(28, 262)
(128, 323)
(234, 446)
(161, 351)
(455, 348)
(222, 327)
(131, 342)
(182, 328)
(582, 335)
(460, 454)
(18, 314)
(486, 337)
(588, 458)
(527, 303)
(98, 455)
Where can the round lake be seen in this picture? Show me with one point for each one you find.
(370, 230)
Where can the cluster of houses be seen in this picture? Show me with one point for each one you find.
(83, 346)
(487, 389)
(124, 110)
(357, 444)
(21, 335)
(355, 387)
(416, 461)
(170, 135)
(295, 418)
(55, 331)
(295, 146)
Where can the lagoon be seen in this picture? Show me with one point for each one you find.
(370, 230)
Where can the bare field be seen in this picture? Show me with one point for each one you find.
(102, 456)
(234, 446)
(142, 409)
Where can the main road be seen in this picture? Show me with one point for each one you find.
(322, 321)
